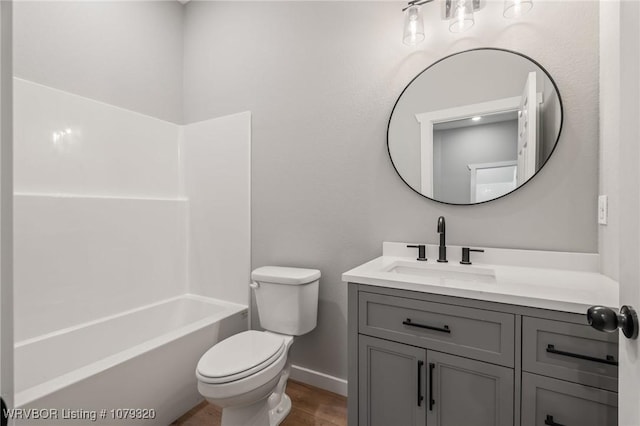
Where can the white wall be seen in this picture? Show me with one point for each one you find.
(103, 211)
(124, 210)
(321, 78)
(82, 258)
(110, 151)
(100, 220)
(217, 166)
(125, 53)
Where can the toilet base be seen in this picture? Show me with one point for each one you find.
(282, 410)
(257, 414)
(270, 411)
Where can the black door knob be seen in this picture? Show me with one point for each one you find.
(606, 319)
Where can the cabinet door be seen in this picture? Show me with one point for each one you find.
(462, 391)
(552, 402)
(391, 383)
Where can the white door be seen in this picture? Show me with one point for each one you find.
(527, 131)
(629, 371)
(6, 207)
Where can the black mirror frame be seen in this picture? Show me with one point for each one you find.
(555, 145)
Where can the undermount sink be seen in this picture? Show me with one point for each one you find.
(444, 271)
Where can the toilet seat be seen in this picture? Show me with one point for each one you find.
(240, 356)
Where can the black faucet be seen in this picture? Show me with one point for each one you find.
(422, 251)
(442, 250)
(466, 255)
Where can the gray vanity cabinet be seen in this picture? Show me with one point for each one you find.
(462, 391)
(552, 402)
(426, 359)
(572, 352)
(402, 385)
(458, 330)
(390, 377)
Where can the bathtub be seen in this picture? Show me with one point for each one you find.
(140, 359)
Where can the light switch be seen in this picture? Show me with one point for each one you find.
(603, 209)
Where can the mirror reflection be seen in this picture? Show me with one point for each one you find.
(474, 126)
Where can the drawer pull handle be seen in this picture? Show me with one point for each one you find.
(420, 397)
(444, 329)
(608, 360)
(549, 421)
(431, 400)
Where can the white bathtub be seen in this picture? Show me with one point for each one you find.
(141, 359)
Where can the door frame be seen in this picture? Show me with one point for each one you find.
(428, 119)
(6, 205)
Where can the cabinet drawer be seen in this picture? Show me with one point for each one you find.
(473, 333)
(547, 401)
(567, 351)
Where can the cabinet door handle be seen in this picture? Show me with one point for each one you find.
(444, 329)
(420, 397)
(608, 360)
(549, 421)
(431, 400)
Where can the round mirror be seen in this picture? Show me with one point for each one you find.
(474, 126)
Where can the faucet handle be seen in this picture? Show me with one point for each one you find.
(422, 251)
(466, 255)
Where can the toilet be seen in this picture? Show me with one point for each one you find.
(246, 374)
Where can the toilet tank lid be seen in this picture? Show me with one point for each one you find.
(285, 275)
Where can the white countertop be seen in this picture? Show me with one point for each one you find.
(573, 289)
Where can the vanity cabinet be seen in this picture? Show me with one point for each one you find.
(458, 330)
(465, 392)
(551, 402)
(426, 359)
(571, 352)
(401, 383)
(390, 377)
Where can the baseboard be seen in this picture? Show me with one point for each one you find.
(319, 380)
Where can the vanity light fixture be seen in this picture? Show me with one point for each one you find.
(413, 23)
(516, 8)
(459, 13)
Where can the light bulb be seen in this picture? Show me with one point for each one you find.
(516, 8)
(413, 26)
(461, 16)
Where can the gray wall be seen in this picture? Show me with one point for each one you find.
(455, 149)
(321, 79)
(125, 53)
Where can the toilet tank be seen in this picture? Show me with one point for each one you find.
(287, 298)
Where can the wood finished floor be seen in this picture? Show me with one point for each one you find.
(311, 407)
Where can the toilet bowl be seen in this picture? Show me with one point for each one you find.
(243, 371)
(246, 374)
